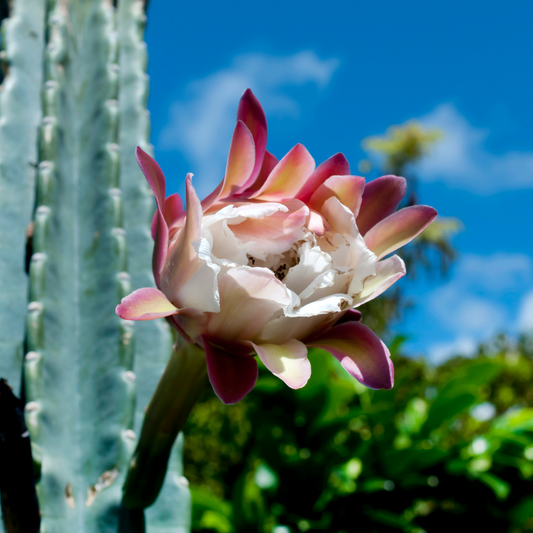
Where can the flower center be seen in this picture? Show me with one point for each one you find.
(280, 264)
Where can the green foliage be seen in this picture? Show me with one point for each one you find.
(420, 457)
(73, 109)
(399, 150)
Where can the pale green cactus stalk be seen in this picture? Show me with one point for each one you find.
(87, 99)
(153, 339)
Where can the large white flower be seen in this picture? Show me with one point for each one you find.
(274, 260)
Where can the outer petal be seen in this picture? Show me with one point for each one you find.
(240, 164)
(288, 176)
(183, 261)
(248, 299)
(145, 304)
(348, 189)
(380, 199)
(156, 179)
(336, 165)
(269, 164)
(286, 361)
(361, 352)
(153, 174)
(399, 228)
(241, 160)
(173, 210)
(388, 272)
(232, 376)
(352, 315)
(252, 114)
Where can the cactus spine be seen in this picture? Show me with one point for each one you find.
(89, 96)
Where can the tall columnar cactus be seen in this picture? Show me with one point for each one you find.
(87, 99)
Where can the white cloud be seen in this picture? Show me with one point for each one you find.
(469, 301)
(497, 272)
(462, 162)
(441, 352)
(471, 306)
(525, 319)
(201, 123)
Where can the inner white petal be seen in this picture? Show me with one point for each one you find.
(226, 249)
(312, 262)
(335, 281)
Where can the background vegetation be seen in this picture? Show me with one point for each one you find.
(447, 446)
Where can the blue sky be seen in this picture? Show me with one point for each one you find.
(329, 75)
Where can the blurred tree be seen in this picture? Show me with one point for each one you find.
(398, 152)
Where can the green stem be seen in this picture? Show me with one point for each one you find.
(177, 392)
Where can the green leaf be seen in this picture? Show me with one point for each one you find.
(500, 487)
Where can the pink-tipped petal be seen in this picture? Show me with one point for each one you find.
(173, 210)
(269, 164)
(183, 261)
(336, 165)
(287, 361)
(156, 179)
(145, 304)
(241, 160)
(288, 176)
(399, 228)
(361, 353)
(252, 114)
(232, 376)
(153, 174)
(348, 189)
(381, 197)
(240, 163)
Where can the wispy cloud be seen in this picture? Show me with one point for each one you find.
(201, 121)
(461, 160)
(475, 303)
(441, 352)
(525, 320)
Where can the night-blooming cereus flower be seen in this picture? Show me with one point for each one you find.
(275, 260)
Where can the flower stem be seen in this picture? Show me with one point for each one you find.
(177, 392)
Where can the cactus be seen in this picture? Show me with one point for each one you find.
(88, 95)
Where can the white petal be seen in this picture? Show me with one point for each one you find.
(201, 290)
(339, 217)
(249, 297)
(335, 281)
(388, 271)
(282, 329)
(364, 265)
(313, 261)
(333, 303)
